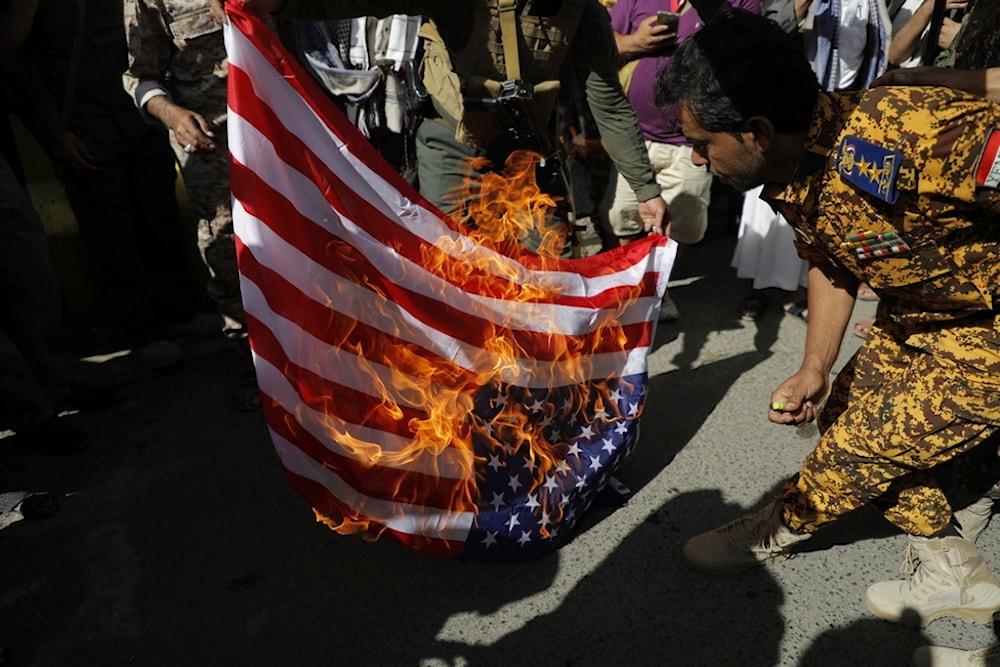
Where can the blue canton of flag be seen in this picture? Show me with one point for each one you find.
(529, 505)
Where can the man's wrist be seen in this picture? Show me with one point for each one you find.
(647, 192)
(161, 108)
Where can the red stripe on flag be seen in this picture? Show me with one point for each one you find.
(389, 231)
(338, 329)
(327, 396)
(379, 482)
(344, 260)
(323, 108)
(328, 505)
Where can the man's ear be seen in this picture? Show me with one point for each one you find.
(759, 130)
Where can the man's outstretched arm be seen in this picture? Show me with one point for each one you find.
(982, 82)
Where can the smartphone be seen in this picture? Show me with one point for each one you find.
(668, 19)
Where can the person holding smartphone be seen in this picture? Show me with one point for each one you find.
(647, 31)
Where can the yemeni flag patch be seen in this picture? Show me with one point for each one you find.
(988, 167)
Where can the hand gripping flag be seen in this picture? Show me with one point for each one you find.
(465, 399)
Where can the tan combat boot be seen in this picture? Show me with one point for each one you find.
(755, 539)
(950, 579)
(973, 519)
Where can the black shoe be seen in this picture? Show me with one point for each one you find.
(55, 436)
(85, 397)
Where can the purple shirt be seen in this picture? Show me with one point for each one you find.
(659, 126)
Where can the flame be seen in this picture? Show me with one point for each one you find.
(509, 205)
(501, 208)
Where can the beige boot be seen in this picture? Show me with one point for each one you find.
(972, 520)
(939, 656)
(755, 539)
(950, 579)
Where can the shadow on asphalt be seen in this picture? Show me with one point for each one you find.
(179, 542)
(679, 404)
(643, 606)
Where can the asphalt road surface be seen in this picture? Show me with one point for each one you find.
(179, 542)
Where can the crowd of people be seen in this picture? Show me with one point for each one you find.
(862, 132)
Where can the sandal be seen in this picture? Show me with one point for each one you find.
(799, 310)
(866, 293)
(862, 328)
(754, 305)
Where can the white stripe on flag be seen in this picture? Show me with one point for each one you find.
(401, 517)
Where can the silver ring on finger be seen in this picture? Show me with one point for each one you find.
(189, 148)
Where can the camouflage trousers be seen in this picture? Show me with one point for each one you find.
(901, 430)
(206, 179)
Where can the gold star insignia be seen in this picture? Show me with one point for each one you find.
(876, 174)
(863, 167)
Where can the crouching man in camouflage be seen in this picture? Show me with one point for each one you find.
(896, 188)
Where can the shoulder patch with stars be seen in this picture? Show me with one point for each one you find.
(988, 167)
(870, 168)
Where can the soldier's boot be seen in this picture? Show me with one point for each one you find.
(755, 539)
(971, 521)
(939, 656)
(947, 576)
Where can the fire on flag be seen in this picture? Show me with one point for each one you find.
(462, 397)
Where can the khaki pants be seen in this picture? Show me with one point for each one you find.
(685, 188)
(895, 415)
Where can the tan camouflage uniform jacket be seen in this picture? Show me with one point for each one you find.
(925, 385)
(949, 277)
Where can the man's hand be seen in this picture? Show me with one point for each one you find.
(795, 400)
(831, 301)
(218, 9)
(948, 32)
(70, 150)
(650, 38)
(653, 213)
(191, 129)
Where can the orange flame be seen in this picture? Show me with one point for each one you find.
(501, 207)
(510, 206)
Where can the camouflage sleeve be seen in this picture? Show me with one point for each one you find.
(813, 254)
(149, 51)
(595, 57)
(957, 148)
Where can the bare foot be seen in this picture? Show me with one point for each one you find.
(862, 328)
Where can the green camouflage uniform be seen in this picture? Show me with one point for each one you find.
(925, 385)
(176, 49)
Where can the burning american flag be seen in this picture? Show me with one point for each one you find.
(463, 397)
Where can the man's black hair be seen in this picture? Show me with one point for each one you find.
(741, 65)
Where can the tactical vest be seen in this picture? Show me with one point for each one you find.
(476, 72)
